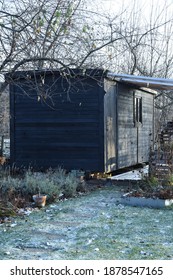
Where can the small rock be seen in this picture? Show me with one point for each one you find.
(7, 253)
(28, 212)
(120, 206)
(96, 249)
(13, 225)
(23, 211)
(89, 241)
(53, 206)
(143, 253)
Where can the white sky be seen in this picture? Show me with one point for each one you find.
(112, 6)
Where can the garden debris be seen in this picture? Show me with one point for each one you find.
(6, 210)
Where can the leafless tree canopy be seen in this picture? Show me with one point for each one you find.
(43, 34)
(63, 34)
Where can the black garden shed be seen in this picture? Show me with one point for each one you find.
(90, 120)
(57, 119)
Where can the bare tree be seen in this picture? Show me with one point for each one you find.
(146, 47)
(63, 34)
(51, 34)
(37, 35)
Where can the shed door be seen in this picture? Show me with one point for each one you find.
(143, 121)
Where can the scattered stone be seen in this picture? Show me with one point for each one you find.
(13, 225)
(120, 206)
(24, 211)
(7, 253)
(97, 249)
(89, 241)
(143, 253)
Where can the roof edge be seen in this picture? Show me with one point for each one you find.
(142, 81)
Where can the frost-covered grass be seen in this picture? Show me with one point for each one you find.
(92, 226)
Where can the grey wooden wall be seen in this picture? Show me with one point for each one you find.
(126, 143)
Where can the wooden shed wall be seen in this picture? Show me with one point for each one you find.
(127, 134)
(110, 126)
(126, 143)
(146, 130)
(134, 140)
(58, 131)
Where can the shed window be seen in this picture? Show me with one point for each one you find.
(137, 110)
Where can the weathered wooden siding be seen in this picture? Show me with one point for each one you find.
(110, 127)
(126, 143)
(134, 141)
(146, 131)
(58, 131)
(127, 133)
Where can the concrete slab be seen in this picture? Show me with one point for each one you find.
(132, 175)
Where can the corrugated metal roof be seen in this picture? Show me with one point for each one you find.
(142, 81)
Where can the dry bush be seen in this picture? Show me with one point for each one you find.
(53, 183)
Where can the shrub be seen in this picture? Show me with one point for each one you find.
(70, 185)
(66, 182)
(41, 183)
(9, 187)
(52, 183)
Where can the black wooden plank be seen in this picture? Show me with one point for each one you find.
(58, 132)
